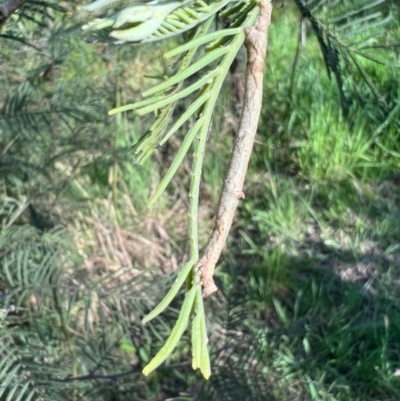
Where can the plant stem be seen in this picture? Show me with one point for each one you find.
(232, 191)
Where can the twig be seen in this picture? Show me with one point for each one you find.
(256, 45)
(115, 376)
(8, 8)
(90, 376)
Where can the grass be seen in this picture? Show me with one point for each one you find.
(320, 228)
(308, 308)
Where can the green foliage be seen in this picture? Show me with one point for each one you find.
(149, 22)
(309, 284)
(54, 326)
(201, 111)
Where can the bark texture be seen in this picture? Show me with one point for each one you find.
(232, 190)
(8, 8)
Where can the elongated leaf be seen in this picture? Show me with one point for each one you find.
(185, 116)
(152, 138)
(196, 338)
(182, 75)
(136, 105)
(201, 41)
(171, 293)
(176, 334)
(200, 13)
(177, 161)
(204, 366)
(177, 96)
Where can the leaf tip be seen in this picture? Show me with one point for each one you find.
(146, 371)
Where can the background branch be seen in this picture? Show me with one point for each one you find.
(8, 8)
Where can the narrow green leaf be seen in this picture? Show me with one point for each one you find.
(12, 391)
(280, 310)
(171, 293)
(8, 375)
(205, 366)
(99, 6)
(173, 25)
(196, 337)
(352, 12)
(182, 75)
(177, 161)
(133, 106)
(150, 141)
(176, 333)
(232, 9)
(392, 115)
(201, 41)
(368, 80)
(199, 11)
(144, 30)
(8, 273)
(177, 96)
(186, 115)
(189, 12)
(377, 60)
(22, 392)
(181, 14)
(21, 265)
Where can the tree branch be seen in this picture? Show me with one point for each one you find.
(232, 191)
(8, 8)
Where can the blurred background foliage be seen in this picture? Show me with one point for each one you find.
(310, 279)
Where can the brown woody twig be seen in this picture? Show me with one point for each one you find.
(8, 8)
(232, 190)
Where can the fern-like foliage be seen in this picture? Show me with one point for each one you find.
(345, 31)
(45, 120)
(210, 54)
(36, 14)
(35, 136)
(50, 313)
(69, 334)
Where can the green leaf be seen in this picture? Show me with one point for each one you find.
(201, 41)
(196, 13)
(182, 75)
(176, 334)
(205, 366)
(186, 115)
(177, 161)
(196, 338)
(171, 293)
(177, 96)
